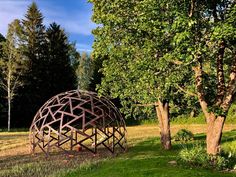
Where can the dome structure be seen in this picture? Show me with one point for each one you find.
(77, 120)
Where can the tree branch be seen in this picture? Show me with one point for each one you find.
(220, 74)
(191, 9)
(214, 12)
(146, 105)
(3, 86)
(199, 85)
(187, 92)
(231, 88)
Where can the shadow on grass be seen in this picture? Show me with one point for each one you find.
(152, 146)
(147, 158)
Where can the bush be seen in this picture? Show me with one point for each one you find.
(183, 135)
(195, 156)
(198, 157)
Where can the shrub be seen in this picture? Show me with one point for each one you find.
(197, 156)
(183, 135)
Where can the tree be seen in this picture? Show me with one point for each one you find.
(48, 56)
(2, 100)
(181, 35)
(33, 94)
(2, 38)
(61, 75)
(220, 51)
(135, 37)
(12, 64)
(204, 38)
(84, 71)
(96, 73)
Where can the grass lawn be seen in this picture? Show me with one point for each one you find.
(144, 157)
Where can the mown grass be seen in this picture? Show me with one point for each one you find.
(144, 157)
(147, 158)
(9, 140)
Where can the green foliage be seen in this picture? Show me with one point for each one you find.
(47, 53)
(97, 74)
(12, 64)
(35, 91)
(186, 119)
(184, 135)
(198, 157)
(84, 71)
(138, 66)
(60, 74)
(195, 156)
(12, 61)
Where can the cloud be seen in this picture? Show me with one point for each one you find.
(73, 16)
(72, 20)
(83, 47)
(10, 10)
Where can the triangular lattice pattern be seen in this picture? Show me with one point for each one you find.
(78, 119)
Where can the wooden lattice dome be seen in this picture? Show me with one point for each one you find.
(78, 119)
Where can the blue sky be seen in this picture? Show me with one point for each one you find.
(73, 15)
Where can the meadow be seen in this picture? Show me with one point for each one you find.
(143, 158)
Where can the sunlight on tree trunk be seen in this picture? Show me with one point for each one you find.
(214, 133)
(162, 111)
(9, 99)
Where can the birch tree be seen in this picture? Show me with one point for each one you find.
(12, 64)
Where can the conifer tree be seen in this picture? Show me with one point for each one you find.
(60, 72)
(33, 94)
(2, 100)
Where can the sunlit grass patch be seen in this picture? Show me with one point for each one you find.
(144, 157)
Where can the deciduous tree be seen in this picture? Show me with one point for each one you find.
(12, 64)
(84, 71)
(135, 38)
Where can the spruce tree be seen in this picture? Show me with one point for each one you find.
(61, 74)
(32, 95)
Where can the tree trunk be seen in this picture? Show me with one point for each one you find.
(9, 113)
(214, 133)
(9, 100)
(162, 110)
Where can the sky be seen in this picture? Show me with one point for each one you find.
(74, 16)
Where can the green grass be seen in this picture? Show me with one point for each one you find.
(14, 130)
(148, 159)
(143, 158)
(186, 119)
